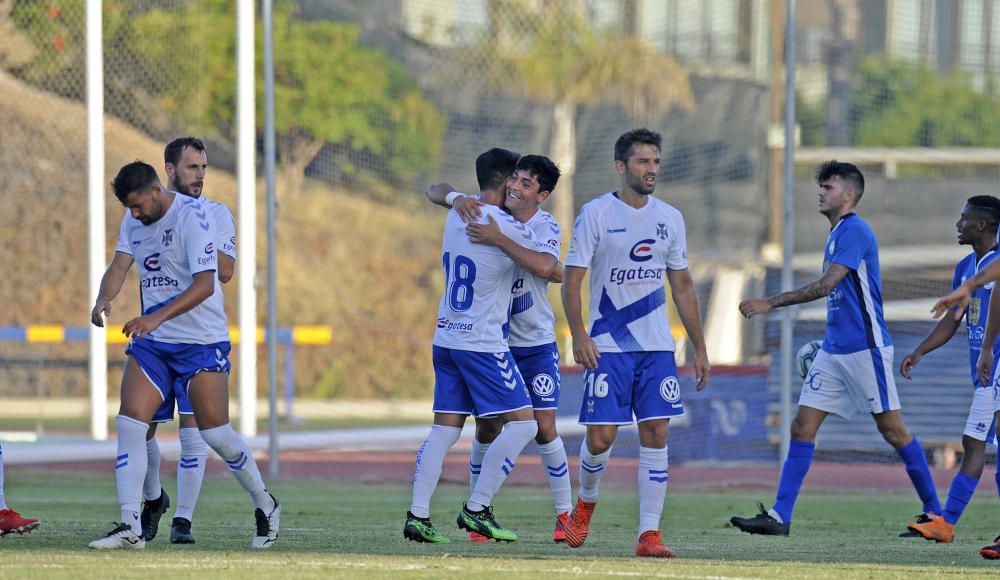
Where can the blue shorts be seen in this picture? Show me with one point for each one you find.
(477, 383)
(539, 365)
(642, 385)
(170, 368)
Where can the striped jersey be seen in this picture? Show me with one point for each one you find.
(532, 322)
(979, 302)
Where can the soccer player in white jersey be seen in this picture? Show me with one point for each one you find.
(12, 522)
(853, 370)
(182, 333)
(186, 163)
(977, 227)
(474, 371)
(632, 243)
(532, 322)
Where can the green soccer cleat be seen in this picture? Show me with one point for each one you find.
(422, 530)
(482, 522)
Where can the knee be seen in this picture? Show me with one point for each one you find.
(487, 431)
(802, 430)
(896, 435)
(546, 432)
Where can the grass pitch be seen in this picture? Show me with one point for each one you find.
(335, 530)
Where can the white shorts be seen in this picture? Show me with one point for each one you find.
(846, 384)
(981, 412)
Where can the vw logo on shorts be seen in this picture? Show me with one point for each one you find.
(670, 390)
(543, 385)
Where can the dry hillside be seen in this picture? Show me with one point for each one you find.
(368, 270)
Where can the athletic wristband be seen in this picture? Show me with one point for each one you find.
(449, 199)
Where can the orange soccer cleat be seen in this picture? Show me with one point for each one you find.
(936, 529)
(650, 546)
(559, 534)
(577, 526)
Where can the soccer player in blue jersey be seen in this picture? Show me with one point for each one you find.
(977, 227)
(532, 322)
(181, 334)
(186, 163)
(632, 243)
(853, 370)
(474, 371)
(12, 522)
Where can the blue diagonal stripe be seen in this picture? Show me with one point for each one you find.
(591, 468)
(521, 304)
(238, 463)
(614, 321)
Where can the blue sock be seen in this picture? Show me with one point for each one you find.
(997, 477)
(800, 456)
(959, 496)
(916, 467)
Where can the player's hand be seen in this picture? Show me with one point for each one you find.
(585, 352)
(141, 326)
(488, 233)
(956, 301)
(909, 361)
(984, 367)
(755, 307)
(468, 209)
(702, 369)
(100, 312)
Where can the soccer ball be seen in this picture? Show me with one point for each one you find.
(807, 354)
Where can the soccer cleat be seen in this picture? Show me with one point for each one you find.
(152, 511)
(120, 538)
(422, 530)
(936, 529)
(483, 523)
(559, 534)
(477, 537)
(918, 519)
(267, 526)
(761, 523)
(11, 522)
(991, 552)
(577, 526)
(180, 531)
(650, 546)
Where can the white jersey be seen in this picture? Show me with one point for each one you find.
(532, 322)
(168, 253)
(478, 279)
(628, 252)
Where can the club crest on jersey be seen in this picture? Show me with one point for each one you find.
(975, 309)
(152, 262)
(661, 231)
(168, 238)
(642, 251)
(670, 390)
(833, 245)
(543, 385)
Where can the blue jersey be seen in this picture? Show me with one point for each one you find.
(854, 317)
(975, 314)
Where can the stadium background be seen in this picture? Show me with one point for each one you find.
(377, 99)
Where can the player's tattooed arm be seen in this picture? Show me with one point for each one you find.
(812, 291)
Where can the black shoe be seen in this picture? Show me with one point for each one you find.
(761, 523)
(918, 519)
(152, 511)
(180, 532)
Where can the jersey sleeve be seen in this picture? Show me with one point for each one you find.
(199, 244)
(849, 248)
(124, 244)
(515, 230)
(677, 255)
(583, 243)
(956, 280)
(549, 238)
(226, 231)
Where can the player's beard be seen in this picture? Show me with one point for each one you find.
(183, 188)
(637, 183)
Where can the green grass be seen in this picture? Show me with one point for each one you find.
(331, 529)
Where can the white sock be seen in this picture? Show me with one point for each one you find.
(429, 464)
(557, 468)
(591, 469)
(234, 451)
(151, 485)
(476, 461)
(3, 501)
(190, 471)
(499, 461)
(653, 476)
(130, 469)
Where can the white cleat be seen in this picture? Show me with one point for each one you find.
(267, 526)
(120, 538)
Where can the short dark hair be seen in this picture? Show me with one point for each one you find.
(988, 207)
(136, 176)
(493, 167)
(173, 151)
(542, 168)
(624, 144)
(848, 173)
